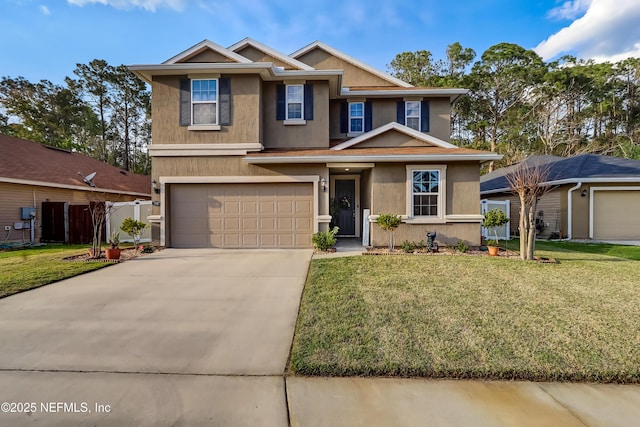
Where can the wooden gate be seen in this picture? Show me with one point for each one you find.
(54, 222)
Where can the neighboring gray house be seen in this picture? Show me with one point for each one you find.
(592, 197)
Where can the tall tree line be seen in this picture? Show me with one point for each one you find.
(104, 111)
(519, 105)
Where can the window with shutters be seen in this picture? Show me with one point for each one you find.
(412, 114)
(204, 102)
(356, 117)
(295, 102)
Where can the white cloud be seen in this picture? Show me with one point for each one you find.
(150, 5)
(44, 10)
(570, 9)
(608, 30)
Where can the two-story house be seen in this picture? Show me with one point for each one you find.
(253, 148)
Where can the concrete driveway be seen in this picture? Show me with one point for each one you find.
(178, 337)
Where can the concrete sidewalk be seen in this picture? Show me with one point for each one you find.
(372, 402)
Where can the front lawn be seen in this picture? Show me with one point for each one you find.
(25, 269)
(471, 317)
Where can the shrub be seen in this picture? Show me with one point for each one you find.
(462, 246)
(323, 240)
(389, 222)
(133, 228)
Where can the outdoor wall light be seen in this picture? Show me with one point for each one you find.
(154, 185)
(323, 184)
(584, 193)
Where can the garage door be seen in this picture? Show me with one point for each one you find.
(241, 215)
(615, 215)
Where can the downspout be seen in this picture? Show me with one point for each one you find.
(570, 210)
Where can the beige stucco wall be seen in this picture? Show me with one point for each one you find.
(392, 139)
(233, 166)
(245, 113)
(353, 76)
(388, 183)
(208, 55)
(256, 55)
(15, 196)
(313, 134)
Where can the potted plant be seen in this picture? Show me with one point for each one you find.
(114, 251)
(493, 219)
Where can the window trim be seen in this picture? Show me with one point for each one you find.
(442, 193)
(349, 117)
(293, 121)
(406, 115)
(205, 126)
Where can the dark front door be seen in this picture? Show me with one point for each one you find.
(345, 200)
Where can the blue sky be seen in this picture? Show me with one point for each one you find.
(45, 39)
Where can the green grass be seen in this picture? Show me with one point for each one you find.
(620, 251)
(25, 269)
(471, 317)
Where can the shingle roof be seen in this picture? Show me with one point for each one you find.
(584, 166)
(32, 161)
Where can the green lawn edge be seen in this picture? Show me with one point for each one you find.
(30, 268)
(334, 336)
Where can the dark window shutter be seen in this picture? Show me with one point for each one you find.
(424, 116)
(368, 116)
(400, 115)
(344, 117)
(308, 101)
(225, 101)
(280, 106)
(185, 102)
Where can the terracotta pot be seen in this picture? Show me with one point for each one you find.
(493, 250)
(112, 253)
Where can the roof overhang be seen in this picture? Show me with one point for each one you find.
(603, 180)
(72, 187)
(359, 158)
(267, 71)
(452, 94)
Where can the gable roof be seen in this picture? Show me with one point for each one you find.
(567, 170)
(269, 51)
(202, 46)
(397, 127)
(319, 45)
(32, 163)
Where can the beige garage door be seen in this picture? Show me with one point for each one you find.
(615, 215)
(241, 215)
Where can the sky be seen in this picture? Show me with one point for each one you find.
(46, 39)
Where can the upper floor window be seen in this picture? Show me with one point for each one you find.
(204, 102)
(295, 102)
(356, 117)
(412, 114)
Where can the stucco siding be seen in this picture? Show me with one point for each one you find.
(208, 56)
(245, 113)
(256, 55)
(353, 76)
(447, 234)
(313, 134)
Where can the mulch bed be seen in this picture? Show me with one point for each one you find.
(445, 251)
(125, 255)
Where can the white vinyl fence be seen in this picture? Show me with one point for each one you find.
(504, 206)
(119, 211)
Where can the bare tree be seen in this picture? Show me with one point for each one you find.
(527, 181)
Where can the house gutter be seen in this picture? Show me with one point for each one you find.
(570, 210)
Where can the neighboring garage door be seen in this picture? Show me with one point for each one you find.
(615, 215)
(241, 215)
